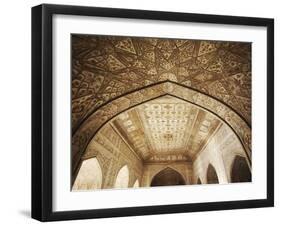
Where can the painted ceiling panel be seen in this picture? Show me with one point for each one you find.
(166, 126)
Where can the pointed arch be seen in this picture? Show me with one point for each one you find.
(89, 176)
(240, 171)
(122, 178)
(212, 177)
(98, 118)
(167, 177)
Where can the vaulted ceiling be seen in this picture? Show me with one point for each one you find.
(105, 67)
(112, 73)
(166, 126)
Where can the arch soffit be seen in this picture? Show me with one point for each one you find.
(100, 117)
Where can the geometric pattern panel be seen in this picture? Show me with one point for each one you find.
(167, 126)
(167, 122)
(107, 67)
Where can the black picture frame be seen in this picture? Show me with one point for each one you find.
(42, 107)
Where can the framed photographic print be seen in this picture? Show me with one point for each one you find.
(146, 112)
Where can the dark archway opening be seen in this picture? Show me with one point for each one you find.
(212, 177)
(240, 170)
(199, 181)
(167, 177)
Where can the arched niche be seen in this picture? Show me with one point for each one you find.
(240, 171)
(89, 176)
(212, 177)
(98, 118)
(136, 184)
(122, 178)
(167, 177)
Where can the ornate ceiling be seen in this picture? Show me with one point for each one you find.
(113, 74)
(105, 67)
(166, 126)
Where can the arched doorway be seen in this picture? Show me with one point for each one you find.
(167, 177)
(122, 179)
(212, 177)
(89, 176)
(240, 171)
(199, 181)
